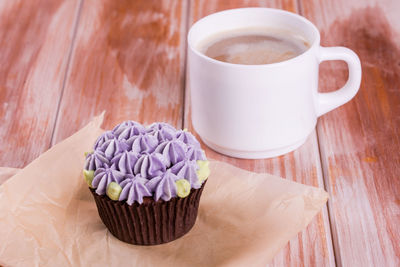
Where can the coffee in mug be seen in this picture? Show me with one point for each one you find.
(254, 46)
(266, 103)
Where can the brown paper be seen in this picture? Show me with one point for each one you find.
(6, 173)
(49, 218)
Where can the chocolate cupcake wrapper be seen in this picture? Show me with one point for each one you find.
(152, 222)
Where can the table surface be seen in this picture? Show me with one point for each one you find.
(64, 61)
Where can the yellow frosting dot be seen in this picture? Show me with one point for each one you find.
(87, 153)
(182, 188)
(185, 130)
(88, 176)
(204, 170)
(114, 190)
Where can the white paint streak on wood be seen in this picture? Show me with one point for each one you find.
(33, 62)
(127, 61)
(359, 142)
(312, 247)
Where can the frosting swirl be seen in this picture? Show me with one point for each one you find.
(125, 161)
(173, 151)
(162, 131)
(132, 162)
(187, 170)
(104, 176)
(134, 189)
(163, 186)
(127, 129)
(187, 138)
(150, 165)
(195, 154)
(108, 135)
(95, 160)
(112, 147)
(143, 143)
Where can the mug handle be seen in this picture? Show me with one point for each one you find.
(332, 100)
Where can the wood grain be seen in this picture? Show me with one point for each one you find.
(128, 60)
(313, 246)
(33, 61)
(359, 142)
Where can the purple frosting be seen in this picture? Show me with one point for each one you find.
(144, 161)
(145, 143)
(103, 138)
(173, 151)
(95, 160)
(134, 189)
(187, 138)
(104, 176)
(187, 170)
(150, 165)
(163, 186)
(195, 154)
(125, 161)
(112, 147)
(162, 131)
(127, 129)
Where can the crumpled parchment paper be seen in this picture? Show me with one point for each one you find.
(49, 218)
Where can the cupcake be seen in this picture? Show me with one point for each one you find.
(146, 181)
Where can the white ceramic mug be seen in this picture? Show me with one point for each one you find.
(261, 111)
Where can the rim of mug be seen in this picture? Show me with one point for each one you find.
(315, 42)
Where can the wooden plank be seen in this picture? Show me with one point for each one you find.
(360, 141)
(201, 8)
(128, 60)
(35, 38)
(313, 246)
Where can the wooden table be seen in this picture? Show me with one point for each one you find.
(64, 61)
